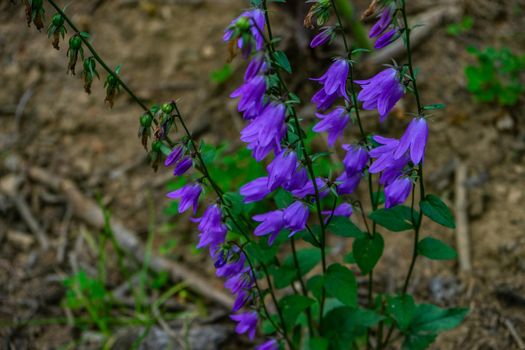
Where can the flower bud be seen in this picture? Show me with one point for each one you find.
(58, 20)
(157, 146)
(146, 120)
(167, 108)
(243, 23)
(75, 42)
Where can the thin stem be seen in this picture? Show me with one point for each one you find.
(308, 311)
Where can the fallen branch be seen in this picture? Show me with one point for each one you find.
(87, 210)
(462, 222)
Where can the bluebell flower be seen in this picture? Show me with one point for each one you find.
(255, 190)
(355, 159)
(297, 180)
(347, 184)
(383, 23)
(322, 37)
(281, 169)
(212, 229)
(271, 223)
(251, 95)
(183, 166)
(264, 133)
(343, 209)
(254, 22)
(241, 299)
(295, 217)
(386, 39)
(235, 264)
(381, 92)
(334, 123)
(188, 195)
(334, 79)
(309, 190)
(256, 66)
(415, 138)
(397, 191)
(175, 155)
(271, 344)
(322, 100)
(384, 154)
(246, 323)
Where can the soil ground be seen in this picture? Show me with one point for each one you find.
(168, 50)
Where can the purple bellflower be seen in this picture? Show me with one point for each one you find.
(347, 184)
(297, 180)
(234, 264)
(265, 132)
(383, 154)
(386, 39)
(183, 166)
(251, 97)
(382, 91)
(397, 191)
(173, 158)
(322, 100)
(188, 195)
(334, 123)
(343, 209)
(334, 79)
(309, 190)
(295, 217)
(271, 223)
(256, 66)
(246, 323)
(281, 168)
(415, 138)
(254, 20)
(323, 37)
(355, 159)
(383, 23)
(255, 190)
(271, 344)
(212, 229)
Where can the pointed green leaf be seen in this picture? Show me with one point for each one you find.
(435, 249)
(367, 251)
(340, 283)
(434, 208)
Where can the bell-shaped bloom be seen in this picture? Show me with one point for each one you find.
(235, 262)
(241, 281)
(383, 23)
(271, 223)
(322, 100)
(176, 154)
(381, 92)
(383, 154)
(397, 191)
(255, 190)
(255, 21)
(334, 79)
(188, 196)
(297, 180)
(415, 138)
(395, 169)
(246, 323)
(242, 298)
(355, 159)
(295, 217)
(322, 37)
(281, 168)
(212, 229)
(343, 209)
(271, 344)
(251, 95)
(334, 123)
(386, 39)
(264, 133)
(347, 184)
(256, 66)
(183, 166)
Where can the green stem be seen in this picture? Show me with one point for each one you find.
(308, 311)
(358, 29)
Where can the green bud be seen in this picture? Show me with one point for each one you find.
(75, 42)
(58, 20)
(167, 108)
(157, 146)
(145, 120)
(243, 24)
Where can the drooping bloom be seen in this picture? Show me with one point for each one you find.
(334, 123)
(281, 168)
(383, 23)
(383, 154)
(188, 195)
(309, 190)
(322, 100)
(255, 190)
(323, 37)
(241, 281)
(334, 79)
(355, 159)
(252, 20)
(386, 39)
(347, 184)
(295, 217)
(415, 138)
(183, 166)
(246, 323)
(235, 261)
(297, 180)
(251, 95)
(243, 297)
(271, 344)
(382, 91)
(174, 156)
(271, 223)
(212, 229)
(397, 191)
(264, 133)
(257, 65)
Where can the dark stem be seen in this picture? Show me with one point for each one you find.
(303, 286)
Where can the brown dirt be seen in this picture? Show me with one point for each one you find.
(168, 49)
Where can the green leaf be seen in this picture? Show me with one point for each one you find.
(431, 318)
(418, 341)
(291, 306)
(340, 283)
(434, 106)
(315, 286)
(317, 344)
(222, 74)
(343, 325)
(307, 259)
(434, 208)
(367, 251)
(343, 227)
(396, 219)
(282, 61)
(402, 309)
(435, 249)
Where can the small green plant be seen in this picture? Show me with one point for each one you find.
(461, 27)
(496, 76)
